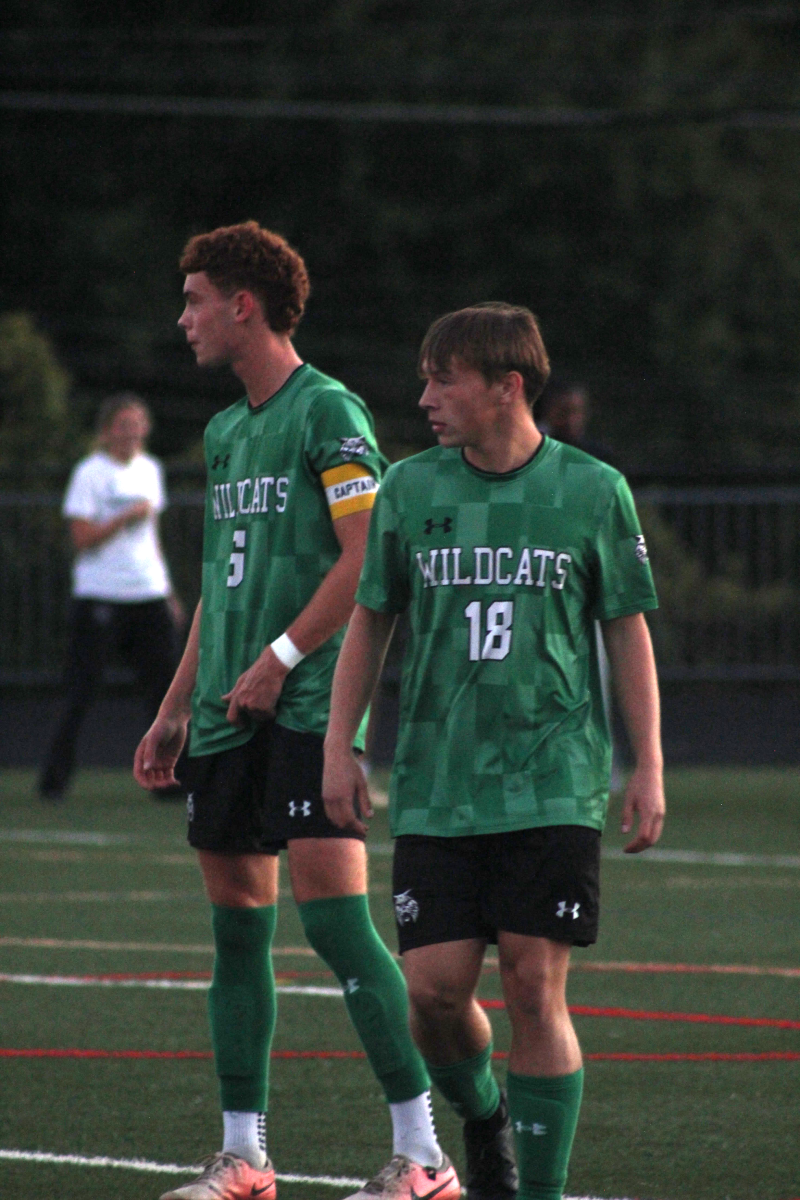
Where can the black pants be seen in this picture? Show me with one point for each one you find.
(143, 634)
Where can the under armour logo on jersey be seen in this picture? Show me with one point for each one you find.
(220, 460)
(536, 1129)
(406, 908)
(303, 808)
(352, 446)
(564, 908)
(446, 525)
(640, 549)
(351, 986)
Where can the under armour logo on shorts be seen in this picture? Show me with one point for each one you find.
(564, 909)
(303, 808)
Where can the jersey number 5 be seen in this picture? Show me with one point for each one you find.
(236, 572)
(497, 642)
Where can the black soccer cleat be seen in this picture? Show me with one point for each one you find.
(491, 1166)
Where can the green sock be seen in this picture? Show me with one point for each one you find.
(470, 1086)
(241, 1004)
(544, 1112)
(342, 933)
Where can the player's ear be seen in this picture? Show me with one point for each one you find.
(512, 387)
(244, 305)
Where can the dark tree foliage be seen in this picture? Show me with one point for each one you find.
(659, 246)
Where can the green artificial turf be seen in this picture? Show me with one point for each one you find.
(660, 1130)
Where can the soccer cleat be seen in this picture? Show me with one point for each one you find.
(489, 1146)
(228, 1177)
(403, 1179)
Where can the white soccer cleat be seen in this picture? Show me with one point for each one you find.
(403, 1179)
(228, 1177)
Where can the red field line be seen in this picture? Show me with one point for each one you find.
(641, 1014)
(706, 1056)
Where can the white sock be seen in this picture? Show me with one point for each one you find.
(413, 1131)
(245, 1134)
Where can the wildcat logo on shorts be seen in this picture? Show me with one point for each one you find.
(640, 549)
(353, 446)
(406, 908)
(564, 910)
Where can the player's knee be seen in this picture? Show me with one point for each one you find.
(434, 1000)
(533, 990)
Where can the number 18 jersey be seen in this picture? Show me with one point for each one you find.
(502, 724)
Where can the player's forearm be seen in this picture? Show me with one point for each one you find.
(87, 534)
(357, 671)
(177, 704)
(633, 670)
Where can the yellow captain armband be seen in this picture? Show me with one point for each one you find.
(349, 488)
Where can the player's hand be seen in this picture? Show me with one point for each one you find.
(255, 694)
(644, 795)
(138, 511)
(157, 753)
(345, 792)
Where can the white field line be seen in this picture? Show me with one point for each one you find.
(141, 1164)
(71, 837)
(705, 858)
(180, 985)
(67, 837)
(136, 897)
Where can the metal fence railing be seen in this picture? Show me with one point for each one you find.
(726, 561)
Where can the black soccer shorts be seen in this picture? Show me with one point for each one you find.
(538, 882)
(255, 798)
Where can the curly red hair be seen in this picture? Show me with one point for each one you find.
(257, 260)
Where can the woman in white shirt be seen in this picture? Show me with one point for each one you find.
(122, 598)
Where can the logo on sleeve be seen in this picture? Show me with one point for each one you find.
(220, 460)
(353, 447)
(640, 549)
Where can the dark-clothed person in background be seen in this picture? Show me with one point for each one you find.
(122, 598)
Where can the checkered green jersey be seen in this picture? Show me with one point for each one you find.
(501, 715)
(278, 476)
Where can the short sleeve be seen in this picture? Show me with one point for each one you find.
(341, 449)
(624, 581)
(160, 487)
(385, 584)
(80, 499)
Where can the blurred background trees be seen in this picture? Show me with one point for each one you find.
(648, 210)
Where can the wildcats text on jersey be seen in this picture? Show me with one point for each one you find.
(502, 566)
(250, 496)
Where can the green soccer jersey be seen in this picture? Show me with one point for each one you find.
(501, 715)
(278, 477)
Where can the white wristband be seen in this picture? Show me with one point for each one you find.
(284, 649)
